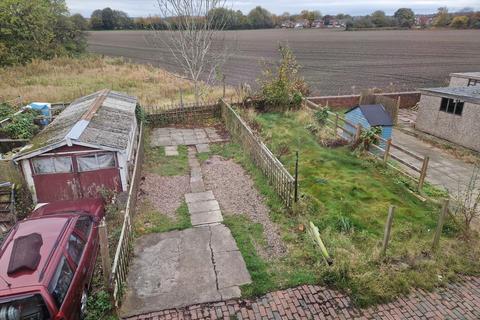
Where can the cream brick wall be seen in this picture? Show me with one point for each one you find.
(463, 130)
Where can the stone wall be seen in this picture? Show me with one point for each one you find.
(463, 130)
(407, 99)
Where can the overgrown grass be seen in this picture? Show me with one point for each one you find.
(65, 79)
(149, 220)
(157, 162)
(347, 197)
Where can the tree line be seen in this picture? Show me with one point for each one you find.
(406, 18)
(261, 18)
(38, 29)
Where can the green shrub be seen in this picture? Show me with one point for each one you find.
(282, 88)
(321, 116)
(22, 126)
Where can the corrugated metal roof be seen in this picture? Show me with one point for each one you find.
(471, 94)
(375, 114)
(108, 125)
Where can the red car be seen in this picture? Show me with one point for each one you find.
(47, 261)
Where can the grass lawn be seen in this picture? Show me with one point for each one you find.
(347, 197)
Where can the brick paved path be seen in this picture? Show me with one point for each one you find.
(456, 301)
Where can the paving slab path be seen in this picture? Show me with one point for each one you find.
(444, 170)
(180, 268)
(456, 301)
(162, 137)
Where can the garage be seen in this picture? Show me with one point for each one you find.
(89, 148)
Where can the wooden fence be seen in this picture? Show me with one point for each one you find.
(414, 166)
(181, 113)
(124, 247)
(281, 180)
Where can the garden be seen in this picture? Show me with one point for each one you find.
(347, 194)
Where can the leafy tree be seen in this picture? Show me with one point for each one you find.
(442, 18)
(260, 18)
(379, 19)
(283, 87)
(405, 17)
(80, 22)
(108, 19)
(36, 29)
(459, 22)
(96, 21)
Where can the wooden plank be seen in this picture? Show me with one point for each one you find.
(411, 166)
(408, 152)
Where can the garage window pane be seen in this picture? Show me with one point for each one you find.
(43, 165)
(105, 160)
(52, 165)
(87, 163)
(62, 164)
(96, 161)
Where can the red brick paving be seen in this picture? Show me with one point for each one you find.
(456, 301)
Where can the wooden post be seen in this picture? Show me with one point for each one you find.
(388, 229)
(358, 133)
(105, 253)
(223, 82)
(387, 150)
(296, 178)
(441, 220)
(181, 97)
(423, 173)
(336, 124)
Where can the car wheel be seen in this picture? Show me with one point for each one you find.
(83, 305)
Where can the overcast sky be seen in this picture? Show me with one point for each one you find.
(137, 8)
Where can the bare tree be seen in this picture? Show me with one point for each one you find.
(467, 202)
(195, 38)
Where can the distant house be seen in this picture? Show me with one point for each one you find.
(424, 20)
(288, 24)
(89, 147)
(318, 24)
(374, 115)
(451, 113)
(465, 79)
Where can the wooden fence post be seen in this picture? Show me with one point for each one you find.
(357, 134)
(387, 150)
(336, 124)
(423, 172)
(223, 82)
(388, 229)
(105, 253)
(441, 220)
(296, 178)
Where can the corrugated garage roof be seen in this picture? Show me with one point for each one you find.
(466, 75)
(104, 118)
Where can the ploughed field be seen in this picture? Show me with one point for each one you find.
(335, 62)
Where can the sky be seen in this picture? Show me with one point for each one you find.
(137, 8)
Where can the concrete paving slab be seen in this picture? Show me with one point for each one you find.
(178, 136)
(205, 218)
(203, 206)
(179, 268)
(199, 196)
(197, 186)
(231, 269)
(171, 151)
(222, 239)
(203, 147)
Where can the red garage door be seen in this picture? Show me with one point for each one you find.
(73, 177)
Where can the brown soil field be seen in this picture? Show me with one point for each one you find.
(334, 62)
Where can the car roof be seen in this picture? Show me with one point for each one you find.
(90, 206)
(51, 230)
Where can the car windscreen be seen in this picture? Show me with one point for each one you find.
(30, 307)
